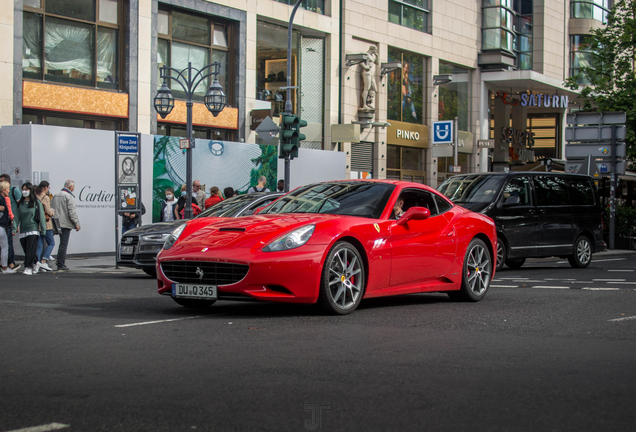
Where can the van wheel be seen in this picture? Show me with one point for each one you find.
(501, 253)
(515, 263)
(582, 255)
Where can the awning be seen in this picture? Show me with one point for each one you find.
(520, 81)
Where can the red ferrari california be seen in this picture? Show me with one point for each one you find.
(333, 243)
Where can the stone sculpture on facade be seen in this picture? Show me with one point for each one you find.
(369, 87)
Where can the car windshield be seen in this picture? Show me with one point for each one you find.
(472, 188)
(229, 207)
(364, 199)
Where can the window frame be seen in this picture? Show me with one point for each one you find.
(425, 10)
(605, 9)
(120, 68)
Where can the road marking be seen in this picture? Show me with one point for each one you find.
(551, 279)
(504, 286)
(548, 287)
(156, 322)
(620, 270)
(43, 428)
(512, 278)
(608, 280)
(612, 259)
(623, 319)
(526, 280)
(623, 283)
(48, 305)
(600, 289)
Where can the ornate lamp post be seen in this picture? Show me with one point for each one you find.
(215, 100)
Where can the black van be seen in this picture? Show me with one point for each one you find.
(537, 214)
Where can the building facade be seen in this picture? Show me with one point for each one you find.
(371, 76)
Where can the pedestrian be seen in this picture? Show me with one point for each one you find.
(215, 197)
(14, 197)
(229, 192)
(30, 224)
(261, 187)
(280, 187)
(181, 203)
(44, 255)
(64, 206)
(131, 220)
(198, 194)
(6, 221)
(167, 210)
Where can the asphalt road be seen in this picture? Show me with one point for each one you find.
(549, 348)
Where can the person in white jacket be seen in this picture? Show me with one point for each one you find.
(64, 205)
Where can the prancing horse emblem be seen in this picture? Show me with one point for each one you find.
(199, 273)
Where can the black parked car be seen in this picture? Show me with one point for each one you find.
(537, 214)
(139, 246)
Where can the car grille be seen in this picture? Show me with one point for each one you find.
(129, 241)
(204, 272)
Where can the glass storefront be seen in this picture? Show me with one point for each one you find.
(405, 93)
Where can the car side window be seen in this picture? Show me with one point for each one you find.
(419, 198)
(442, 204)
(259, 204)
(518, 191)
(551, 191)
(580, 190)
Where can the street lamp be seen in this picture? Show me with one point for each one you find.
(215, 100)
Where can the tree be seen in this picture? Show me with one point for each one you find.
(611, 74)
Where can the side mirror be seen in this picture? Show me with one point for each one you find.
(414, 213)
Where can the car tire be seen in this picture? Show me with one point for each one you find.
(151, 272)
(502, 253)
(194, 303)
(515, 263)
(582, 255)
(343, 280)
(476, 274)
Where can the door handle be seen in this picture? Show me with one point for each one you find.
(451, 234)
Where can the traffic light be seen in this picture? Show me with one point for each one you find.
(290, 137)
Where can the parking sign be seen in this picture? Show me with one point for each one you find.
(443, 132)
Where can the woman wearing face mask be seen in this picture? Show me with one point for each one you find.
(180, 203)
(44, 253)
(30, 222)
(167, 206)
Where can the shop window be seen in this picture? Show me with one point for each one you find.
(198, 133)
(200, 40)
(414, 14)
(405, 93)
(591, 9)
(405, 163)
(580, 56)
(317, 6)
(84, 122)
(543, 127)
(454, 97)
(444, 164)
(73, 42)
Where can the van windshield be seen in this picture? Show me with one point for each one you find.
(472, 189)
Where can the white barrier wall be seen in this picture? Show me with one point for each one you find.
(87, 156)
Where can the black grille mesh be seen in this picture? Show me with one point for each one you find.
(214, 273)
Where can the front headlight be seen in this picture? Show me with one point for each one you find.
(291, 240)
(173, 237)
(155, 237)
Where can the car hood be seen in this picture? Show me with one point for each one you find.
(245, 232)
(155, 228)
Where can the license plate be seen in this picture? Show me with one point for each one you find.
(127, 250)
(194, 291)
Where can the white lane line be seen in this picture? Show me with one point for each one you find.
(608, 280)
(600, 289)
(623, 319)
(156, 322)
(605, 260)
(620, 270)
(512, 278)
(548, 287)
(565, 280)
(623, 283)
(504, 286)
(43, 428)
(526, 280)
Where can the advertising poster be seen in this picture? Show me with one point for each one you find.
(214, 163)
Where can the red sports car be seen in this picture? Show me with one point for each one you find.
(333, 243)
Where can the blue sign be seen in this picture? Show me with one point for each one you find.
(443, 132)
(602, 168)
(128, 144)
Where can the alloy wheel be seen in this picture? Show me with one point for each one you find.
(478, 269)
(345, 278)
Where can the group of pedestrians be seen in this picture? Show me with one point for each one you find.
(28, 213)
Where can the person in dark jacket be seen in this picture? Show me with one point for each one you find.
(6, 221)
(14, 197)
(30, 223)
(167, 206)
(132, 219)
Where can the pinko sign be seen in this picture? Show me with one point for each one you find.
(535, 100)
